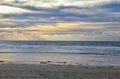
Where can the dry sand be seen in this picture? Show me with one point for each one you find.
(24, 71)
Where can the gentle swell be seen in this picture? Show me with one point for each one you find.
(63, 47)
(97, 50)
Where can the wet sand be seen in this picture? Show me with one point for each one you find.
(30, 71)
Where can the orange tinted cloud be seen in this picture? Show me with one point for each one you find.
(46, 32)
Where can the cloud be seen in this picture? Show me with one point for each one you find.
(111, 7)
(56, 3)
(60, 19)
(4, 9)
(62, 14)
(62, 31)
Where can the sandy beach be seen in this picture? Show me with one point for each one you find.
(30, 71)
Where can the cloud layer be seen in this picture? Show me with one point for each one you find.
(60, 20)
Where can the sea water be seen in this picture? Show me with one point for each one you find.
(72, 52)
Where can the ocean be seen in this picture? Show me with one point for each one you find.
(72, 52)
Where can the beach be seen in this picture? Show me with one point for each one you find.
(47, 71)
(59, 60)
(59, 39)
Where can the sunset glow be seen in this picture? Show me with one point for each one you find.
(59, 20)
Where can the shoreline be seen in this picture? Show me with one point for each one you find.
(57, 63)
(58, 58)
(52, 71)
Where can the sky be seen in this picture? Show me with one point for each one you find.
(62, 20)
